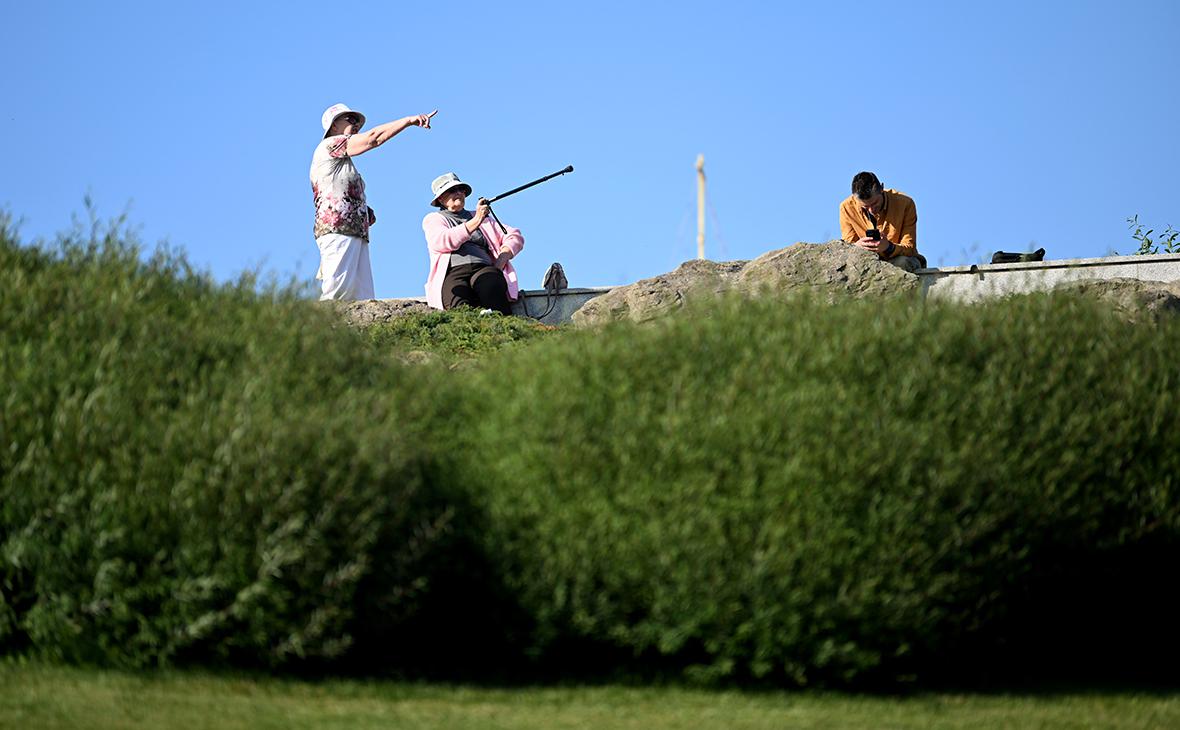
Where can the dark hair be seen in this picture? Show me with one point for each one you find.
(865, 185)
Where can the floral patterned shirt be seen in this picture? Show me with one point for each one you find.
(338, 190)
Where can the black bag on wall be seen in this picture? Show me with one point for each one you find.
(1003, 257)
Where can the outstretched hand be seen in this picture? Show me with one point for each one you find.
(422, 120)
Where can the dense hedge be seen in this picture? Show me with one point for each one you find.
(784, 492)
(191, 471)
(798, 492)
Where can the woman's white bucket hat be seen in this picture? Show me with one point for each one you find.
(337, 110)
(445, 182)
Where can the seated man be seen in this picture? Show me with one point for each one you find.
(882, 221)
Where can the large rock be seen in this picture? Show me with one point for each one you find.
(366, 312)
(832, 270)
(655, 297)
(1133, 298)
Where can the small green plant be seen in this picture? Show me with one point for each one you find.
(1166, 242)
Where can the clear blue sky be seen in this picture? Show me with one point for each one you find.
(1012, 124)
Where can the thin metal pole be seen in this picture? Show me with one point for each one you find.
(513, 191)
(700, 206)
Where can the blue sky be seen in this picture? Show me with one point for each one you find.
(1012, 124)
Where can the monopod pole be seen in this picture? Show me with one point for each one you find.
(488, 202)
(538, 181)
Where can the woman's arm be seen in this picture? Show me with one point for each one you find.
(362, 142)
(514, 241)
(508, 246)
(440, 237)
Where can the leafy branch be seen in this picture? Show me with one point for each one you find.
(1166, 242)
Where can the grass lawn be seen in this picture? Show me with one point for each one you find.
(35, 696)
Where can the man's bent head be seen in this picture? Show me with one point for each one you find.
(867, 189)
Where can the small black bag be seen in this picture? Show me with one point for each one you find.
(1003, 257)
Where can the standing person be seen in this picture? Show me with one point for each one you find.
(469, 254)
(342, 217)
(891, 214)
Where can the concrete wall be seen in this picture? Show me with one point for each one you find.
(534, 303)
(973, 283)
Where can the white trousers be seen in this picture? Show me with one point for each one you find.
(344, 268)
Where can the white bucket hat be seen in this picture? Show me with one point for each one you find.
(445, 182)
(337, 110)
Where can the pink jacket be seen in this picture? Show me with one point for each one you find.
(441, 240)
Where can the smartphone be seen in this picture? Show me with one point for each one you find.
(874, 234)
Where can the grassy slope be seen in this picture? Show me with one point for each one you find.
(456, 334)
(35, 697)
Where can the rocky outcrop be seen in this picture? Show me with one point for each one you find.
(366, 312)
(832, 270)
(655, 297)
(1134, 298)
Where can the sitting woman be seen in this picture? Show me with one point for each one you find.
(469, 253)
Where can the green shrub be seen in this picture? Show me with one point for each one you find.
(192, 471)
(461, 332)
(786, 492)
(796, 492)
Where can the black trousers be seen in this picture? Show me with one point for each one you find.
(476, 285)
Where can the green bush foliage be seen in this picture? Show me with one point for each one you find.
(796, 493)
(785, 492)
(192, 471)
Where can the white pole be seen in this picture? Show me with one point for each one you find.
(700, 206)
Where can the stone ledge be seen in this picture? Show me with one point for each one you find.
(1138, 260)
(973, 283)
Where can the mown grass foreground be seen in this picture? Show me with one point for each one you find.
(48, 698)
